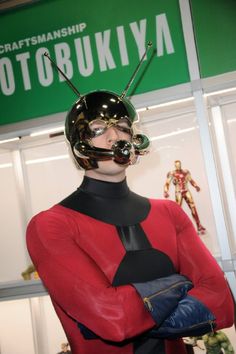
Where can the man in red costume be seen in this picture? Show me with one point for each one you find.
(180, 178)
(123, 271)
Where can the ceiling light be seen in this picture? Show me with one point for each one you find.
(165, 104)
(5, 165)
(219, 92)
(163, 136)
(46, 159)
(48, 131)
(9, 140)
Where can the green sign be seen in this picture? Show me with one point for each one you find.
(215, 30)
(96, 44)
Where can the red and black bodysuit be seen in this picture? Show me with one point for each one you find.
(102, 249)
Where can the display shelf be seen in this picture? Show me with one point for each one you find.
(14, 290)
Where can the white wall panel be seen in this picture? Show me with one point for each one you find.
(12, 248)
(175, 137)
(51, 175)
(16, 336)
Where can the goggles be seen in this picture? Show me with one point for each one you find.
(99, 126)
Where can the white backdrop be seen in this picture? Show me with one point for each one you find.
(50, 175)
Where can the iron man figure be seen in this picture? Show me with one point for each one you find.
(180, 178)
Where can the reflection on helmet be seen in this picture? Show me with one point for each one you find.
(91, 116)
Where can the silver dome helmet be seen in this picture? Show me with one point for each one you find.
(92, 114)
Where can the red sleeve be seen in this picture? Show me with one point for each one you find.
(196, 262)
(77, 284)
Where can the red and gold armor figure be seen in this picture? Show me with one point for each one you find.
(180, 178)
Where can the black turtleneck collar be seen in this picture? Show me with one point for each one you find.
(105, 189)
(111, 202)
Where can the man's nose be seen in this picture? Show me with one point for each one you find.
(112, 135)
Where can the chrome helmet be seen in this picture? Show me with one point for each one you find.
(92, 114)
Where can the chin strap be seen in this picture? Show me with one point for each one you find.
(122, 152)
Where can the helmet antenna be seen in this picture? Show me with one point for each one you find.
(65, 77)
(149, 45)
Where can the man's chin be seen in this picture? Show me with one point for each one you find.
(110, 167)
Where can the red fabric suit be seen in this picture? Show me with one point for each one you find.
(77, 257)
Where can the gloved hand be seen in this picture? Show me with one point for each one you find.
(161, 296)
(190, 318)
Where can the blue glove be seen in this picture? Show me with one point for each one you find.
(161, 296)
(190, 318)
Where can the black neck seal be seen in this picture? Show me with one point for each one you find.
(110, 202)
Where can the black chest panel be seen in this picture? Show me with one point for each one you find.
(141, 262)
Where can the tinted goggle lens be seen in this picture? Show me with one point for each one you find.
(99, 126)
